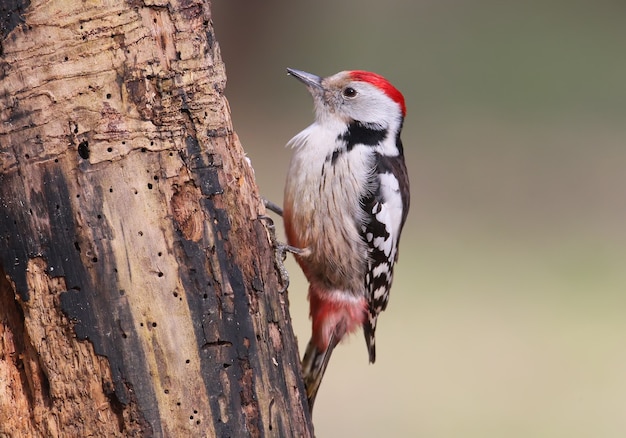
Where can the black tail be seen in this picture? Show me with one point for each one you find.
(314, 365)
(369, 330)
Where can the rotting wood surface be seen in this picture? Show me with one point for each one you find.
(138, 292)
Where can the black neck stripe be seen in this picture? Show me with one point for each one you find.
(359, 133)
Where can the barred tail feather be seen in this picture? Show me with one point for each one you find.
(314, 366)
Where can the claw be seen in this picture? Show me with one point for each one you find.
(279, 252)
(280, 249)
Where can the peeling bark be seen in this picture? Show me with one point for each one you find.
(138, 290)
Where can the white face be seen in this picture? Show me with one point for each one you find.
(343, 98)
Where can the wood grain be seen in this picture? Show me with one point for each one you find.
(139, 295)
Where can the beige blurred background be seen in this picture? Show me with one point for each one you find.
(508, 313)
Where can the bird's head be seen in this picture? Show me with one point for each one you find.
(354, 95)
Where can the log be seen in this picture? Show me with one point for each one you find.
(139, 290)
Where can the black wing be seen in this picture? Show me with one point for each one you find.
(386, 208)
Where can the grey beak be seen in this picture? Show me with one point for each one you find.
(308, 79)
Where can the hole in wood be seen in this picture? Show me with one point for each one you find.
(83, 149)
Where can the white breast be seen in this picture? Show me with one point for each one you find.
(323, 195)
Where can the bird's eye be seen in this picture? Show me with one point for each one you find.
(349, 92)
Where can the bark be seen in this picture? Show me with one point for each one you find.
(139, 294)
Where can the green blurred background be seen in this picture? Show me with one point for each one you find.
(508, 312)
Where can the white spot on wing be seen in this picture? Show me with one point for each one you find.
(380, 269)
(378, 293)
(391, 213)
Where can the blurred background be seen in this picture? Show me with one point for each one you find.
(508, 313)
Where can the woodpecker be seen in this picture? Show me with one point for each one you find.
(345, 203)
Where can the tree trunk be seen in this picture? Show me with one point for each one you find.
(139, 295)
